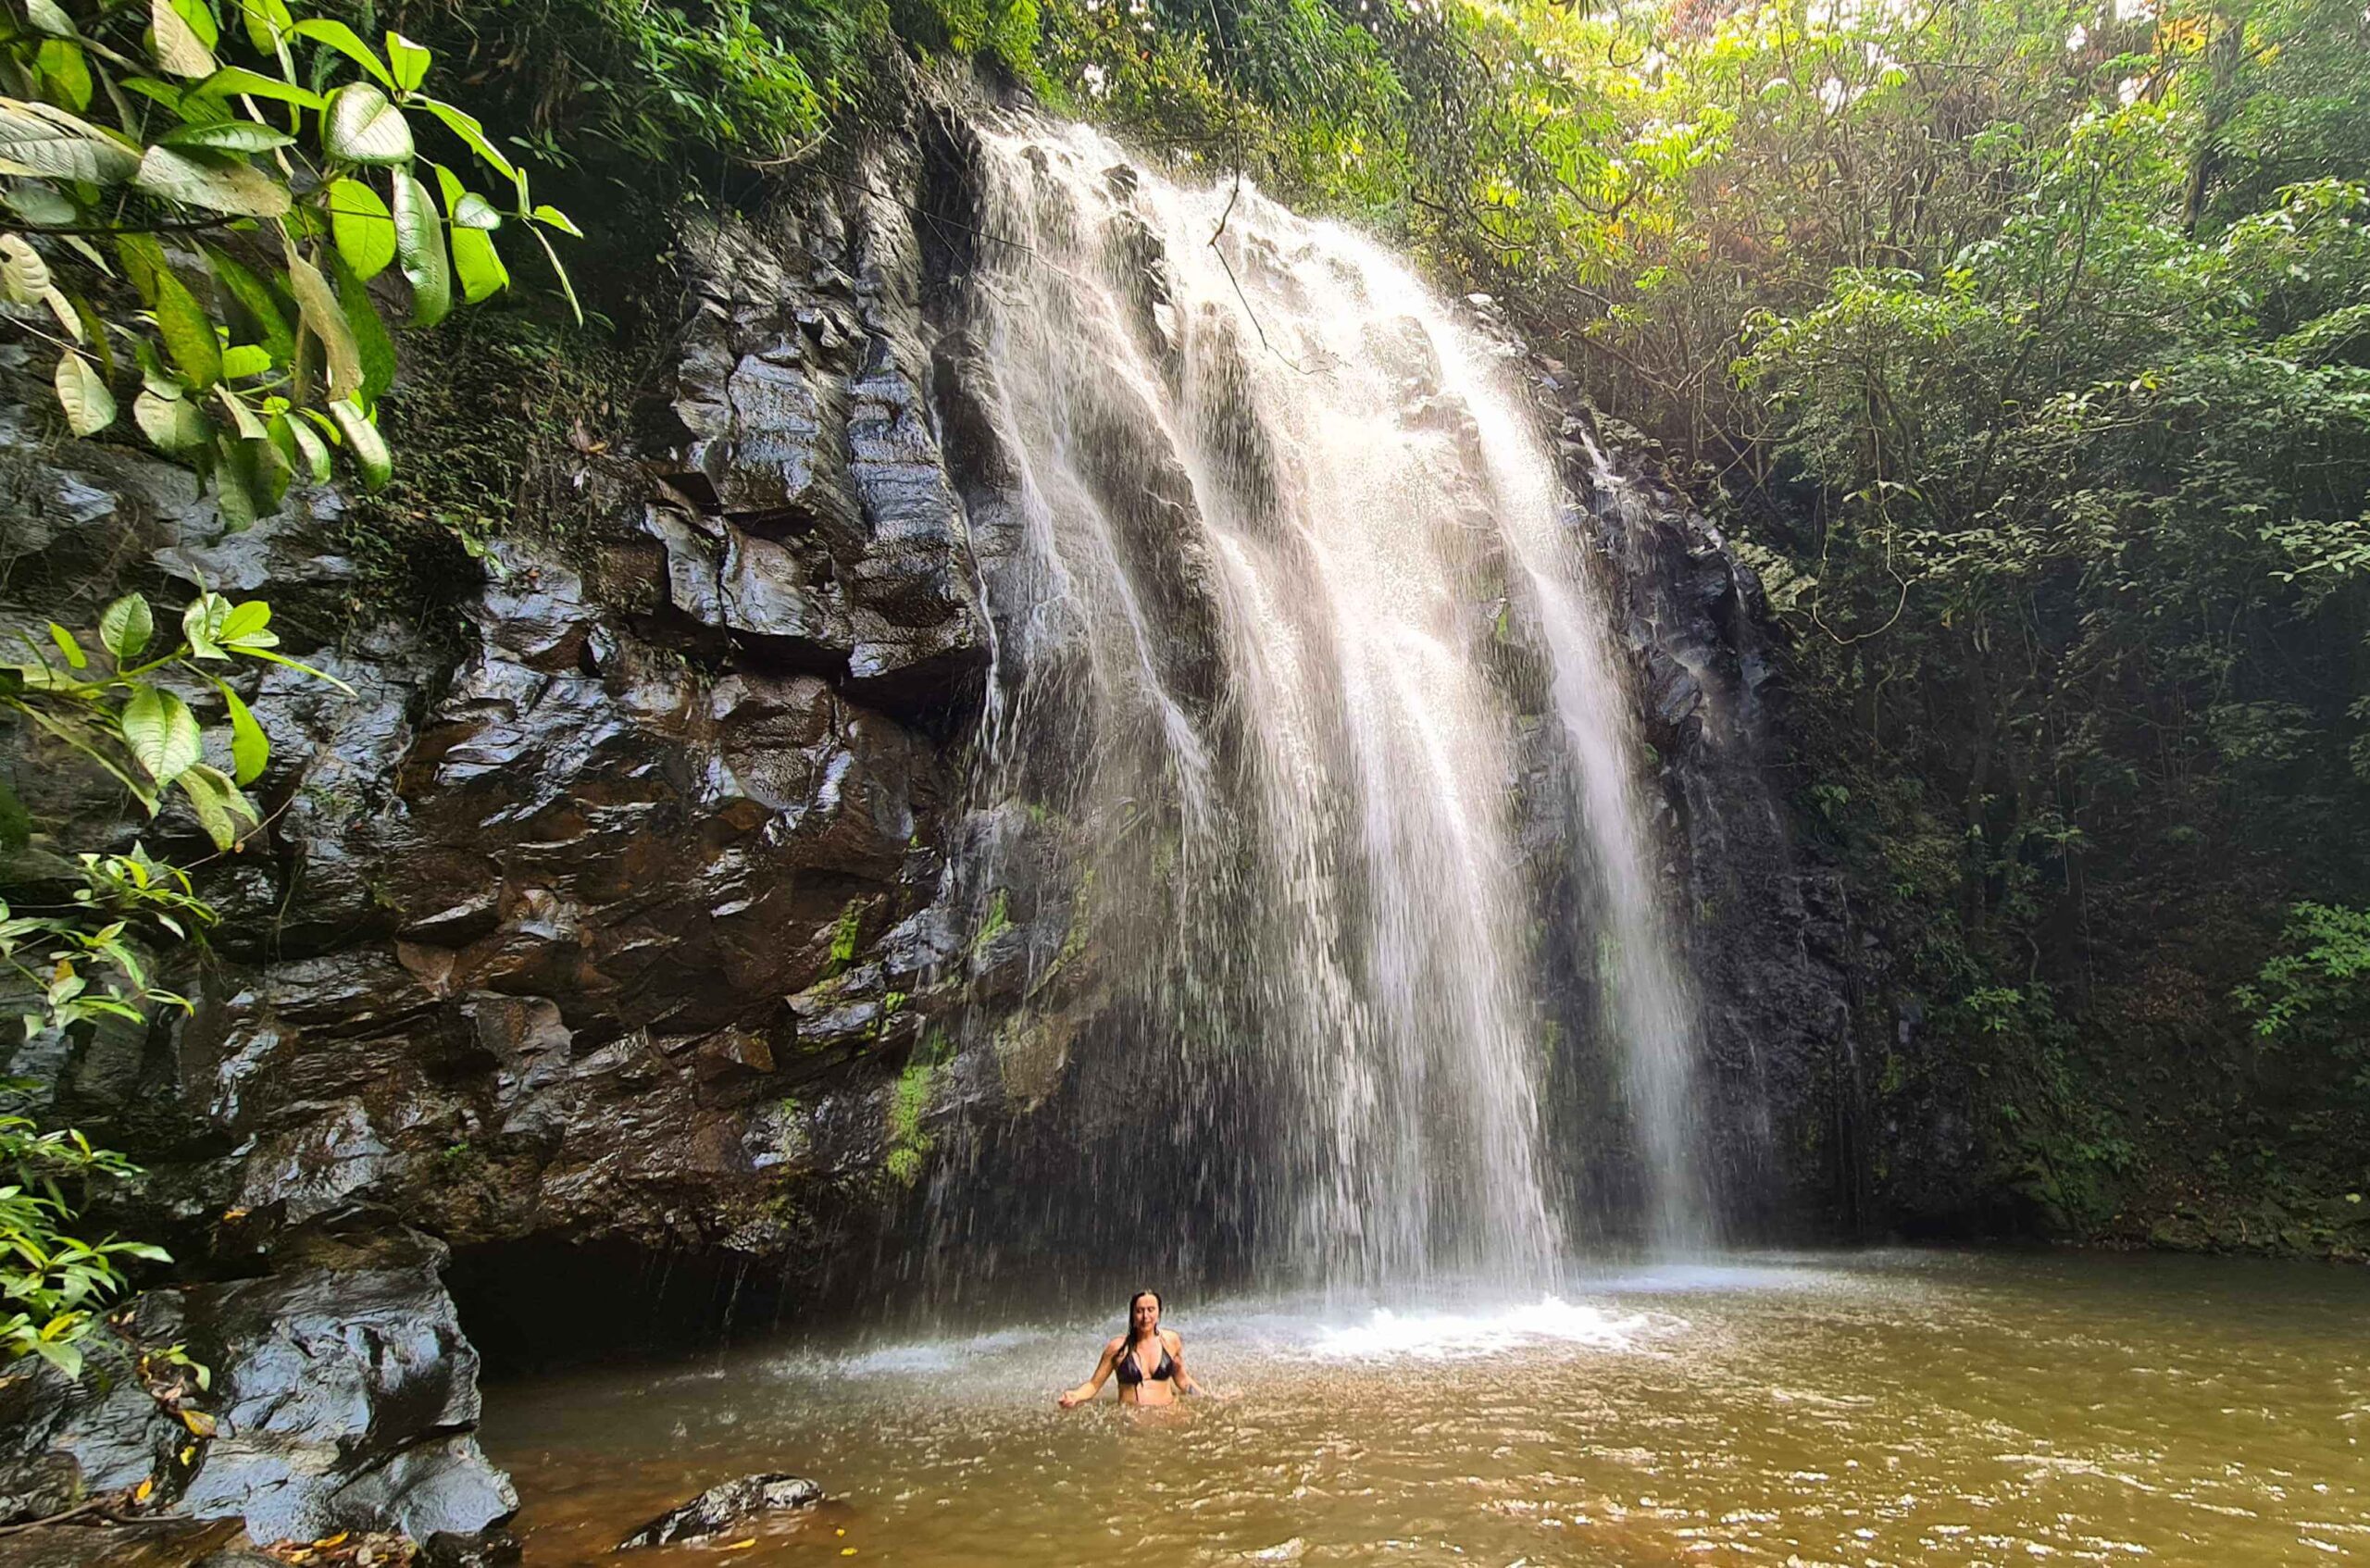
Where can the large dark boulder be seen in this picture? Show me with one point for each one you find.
(340, 1400)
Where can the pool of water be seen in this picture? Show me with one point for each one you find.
(1865, 1409)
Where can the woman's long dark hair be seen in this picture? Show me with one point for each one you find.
(1128, 1335)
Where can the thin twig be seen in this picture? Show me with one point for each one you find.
(86, 1505)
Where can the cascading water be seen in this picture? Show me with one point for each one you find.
(1268, 543)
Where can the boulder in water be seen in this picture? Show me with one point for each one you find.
(720, 1508)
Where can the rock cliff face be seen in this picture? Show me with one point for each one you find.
(608, 921)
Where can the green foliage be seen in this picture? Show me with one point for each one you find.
(112, 704)
(286, 185)
(113, 695)
(847, 935)
(83, 963)
(2316, 993)
(51, 1283)
(908, 1098)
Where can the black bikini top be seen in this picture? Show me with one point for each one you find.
(1131, 1372)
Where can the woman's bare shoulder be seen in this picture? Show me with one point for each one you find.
(1118, 1342)
(1176, 1340)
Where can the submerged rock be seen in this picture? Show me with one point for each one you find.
(720, 1508)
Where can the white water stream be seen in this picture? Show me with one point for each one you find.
(1284, 526)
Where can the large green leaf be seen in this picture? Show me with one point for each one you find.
(478, 265)
(179, 50)
(61, 64)
(267, 22)
(298, 444)
(362, 438)
(250, 748)
(162, 734)
(475, 261)
(89, 405)
(215, 181)
(343, 39)
(372, 344)
(126, 626)
(261, 305)
(327, 321)
(419, 243)
(173, 425)
(407, 60)
(143, 258)
(220, 806)
(202, 622)
(237, 80)
(53, 144)
(188, 332)
(362, 226)
(236, 496)
(22, 272)
(227, 136)
(248, 623)
(472, 132)
(360, 126)
(49, 17)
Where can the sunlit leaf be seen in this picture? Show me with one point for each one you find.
(162, 734)
(361, 225)
(89, 405)
(172, 425)
(363, 440)
(69, 648)
(22, 271)
(61, 64)
(317, 304)
(179, 50)
(49, 142)
(407, 60)
(215, 181)
(361, 126)
(238, 80)
(126, 626)
(419, 243)
(472, 133)
(343, 39)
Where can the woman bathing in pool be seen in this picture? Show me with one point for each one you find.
(1149, 1359)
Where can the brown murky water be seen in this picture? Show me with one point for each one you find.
(1876, 1409)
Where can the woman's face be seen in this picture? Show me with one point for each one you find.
(1144, 1314)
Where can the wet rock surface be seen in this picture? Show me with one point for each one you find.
(725, 1507)
(340, 1400)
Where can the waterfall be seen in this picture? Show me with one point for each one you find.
(1271, 543)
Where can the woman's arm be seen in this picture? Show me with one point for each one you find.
(1072, 1398)
(1184, 1379)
